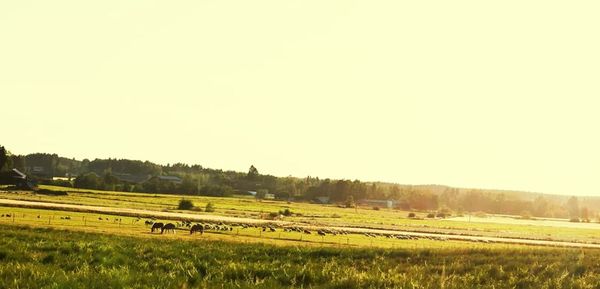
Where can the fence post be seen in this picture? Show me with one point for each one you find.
(84, 222)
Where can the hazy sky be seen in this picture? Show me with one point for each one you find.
(493, 94)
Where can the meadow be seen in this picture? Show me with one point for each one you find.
(314, 214)
(53, 258)
(43, 248)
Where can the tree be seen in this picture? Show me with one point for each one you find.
(252, 173)
(185, 205)
(573, 207)
(541, 207)
(88, 181)
(585, 214)
(3, 158)
(260, 194)
(350, 202)
(209, 207)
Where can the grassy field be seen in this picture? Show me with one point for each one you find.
(43, 248)
(131, 226)
(311, 214)
(51, 258)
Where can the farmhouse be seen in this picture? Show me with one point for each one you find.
(16, 178)
(170, 179)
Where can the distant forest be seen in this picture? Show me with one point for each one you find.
(144, 176)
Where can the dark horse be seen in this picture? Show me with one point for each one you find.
(168, 227)
(156, 227)
(197, 228)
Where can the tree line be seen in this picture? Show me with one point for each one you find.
(117, 175)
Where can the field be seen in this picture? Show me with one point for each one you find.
(51, 258)
(320, 215)
(60, 248)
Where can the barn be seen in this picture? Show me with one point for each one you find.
(16, 178)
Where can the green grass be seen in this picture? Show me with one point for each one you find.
(49, 258)
(308, 214)
(128, 226)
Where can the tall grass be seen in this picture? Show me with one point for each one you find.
(47, 258)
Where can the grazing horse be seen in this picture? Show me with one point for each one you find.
(168, 227)
(156, 227)
(147, 223)
(197, 228)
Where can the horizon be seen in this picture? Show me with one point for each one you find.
(463, 94)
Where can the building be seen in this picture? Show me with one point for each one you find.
(16, 178)
(322, 200)
(170, 179)
(390, 204)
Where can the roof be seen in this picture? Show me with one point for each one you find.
(322, 200)
(18, 174)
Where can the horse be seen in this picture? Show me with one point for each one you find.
(197, 228)
(156, 226)
(168, 227)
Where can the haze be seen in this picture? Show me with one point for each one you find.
(463, 93)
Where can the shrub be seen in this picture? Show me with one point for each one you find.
(210, 207)
(286, 212)
(185, 205)
(412, 215)
(51, 192)
(350, 202)
(431, 215)
(376, 208)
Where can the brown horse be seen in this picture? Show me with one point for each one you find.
(168, 227)
(197, 228)
(156, 226)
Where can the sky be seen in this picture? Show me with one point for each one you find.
(479, 94)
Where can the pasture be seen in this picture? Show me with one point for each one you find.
(133, 226)
(316, 214)
(57, 248)
(54, 258)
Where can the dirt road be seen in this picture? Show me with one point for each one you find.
(204, 217)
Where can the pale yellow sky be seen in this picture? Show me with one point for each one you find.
(501, 94)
